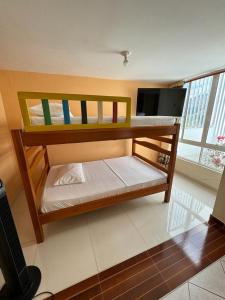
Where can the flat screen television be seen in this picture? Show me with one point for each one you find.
(160, 102)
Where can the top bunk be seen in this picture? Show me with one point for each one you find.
(55, 118)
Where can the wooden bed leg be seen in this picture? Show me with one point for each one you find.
(39, 234)
(172, 162)
(167, 196)
(133, 147)
(28, 187)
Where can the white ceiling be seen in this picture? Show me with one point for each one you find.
(169, 39)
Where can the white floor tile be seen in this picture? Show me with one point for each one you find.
(212, 278)
(114, 237)
(158, 221)
(197, 293)
(29, 253)
(180, 293)
(222, 261)
(66, 256)
(148, 214)
(77, 248)
(198, 191)
(23, 221)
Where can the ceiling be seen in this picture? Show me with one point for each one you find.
(169, 39)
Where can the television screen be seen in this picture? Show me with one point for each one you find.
(160, 102)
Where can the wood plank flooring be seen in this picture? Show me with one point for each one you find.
(155, 272)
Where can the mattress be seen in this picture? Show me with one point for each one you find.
(135, 120)
(104, 178)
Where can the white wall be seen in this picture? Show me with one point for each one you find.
(199, 173)
(219, 208)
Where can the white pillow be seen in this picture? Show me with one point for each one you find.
(56, 110)
(70, 174)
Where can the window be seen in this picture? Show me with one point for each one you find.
(202, 136)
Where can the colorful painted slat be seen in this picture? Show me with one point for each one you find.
(84, 112)
(115, 109)
(66, 111)
(46, 111)
(100, 112)
(25, 97)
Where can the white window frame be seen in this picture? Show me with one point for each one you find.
(203, 143)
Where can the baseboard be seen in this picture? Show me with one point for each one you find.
(213, 219)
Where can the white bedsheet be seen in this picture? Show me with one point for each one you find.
(135, 120)
(135, 172)
(100, 182)
(103, 178)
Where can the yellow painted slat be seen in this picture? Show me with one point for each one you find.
(58, 96)
(24, 112)
(128, 112)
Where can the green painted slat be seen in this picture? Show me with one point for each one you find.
(46, 111)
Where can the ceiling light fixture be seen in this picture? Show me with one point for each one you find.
(125, 54)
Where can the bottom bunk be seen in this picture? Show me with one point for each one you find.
(103, 178)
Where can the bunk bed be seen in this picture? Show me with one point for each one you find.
(114, 180)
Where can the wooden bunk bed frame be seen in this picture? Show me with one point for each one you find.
(31, 148)
(31, 151)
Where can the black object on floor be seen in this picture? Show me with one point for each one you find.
(21, 282)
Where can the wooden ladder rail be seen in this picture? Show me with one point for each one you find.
(28, 186)
(172, 161)
(172, 153)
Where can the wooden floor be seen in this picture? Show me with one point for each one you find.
(152, 274)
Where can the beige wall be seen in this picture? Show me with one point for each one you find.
(8, 165)
(219, 208)
(12, 82)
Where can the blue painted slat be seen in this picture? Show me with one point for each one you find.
(66, 111)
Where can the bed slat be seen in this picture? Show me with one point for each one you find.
(37, 158)
(100, 112)
(66, 111)
(84, 111)
(41, 182)
(30, 151)
(46, 111)
(115, 112)
(152, 147)
(154, 164)
(163, 139)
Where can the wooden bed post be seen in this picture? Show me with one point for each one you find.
(172, 161)
(133, 147)
(29, 190)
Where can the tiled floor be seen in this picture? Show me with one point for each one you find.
(80, 247)
(209, 284)
(157, 271)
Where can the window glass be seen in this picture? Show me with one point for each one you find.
(213, 159)
(196, 108)
(216, 133)
(189, 152)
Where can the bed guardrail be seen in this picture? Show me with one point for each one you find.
(25, 99)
